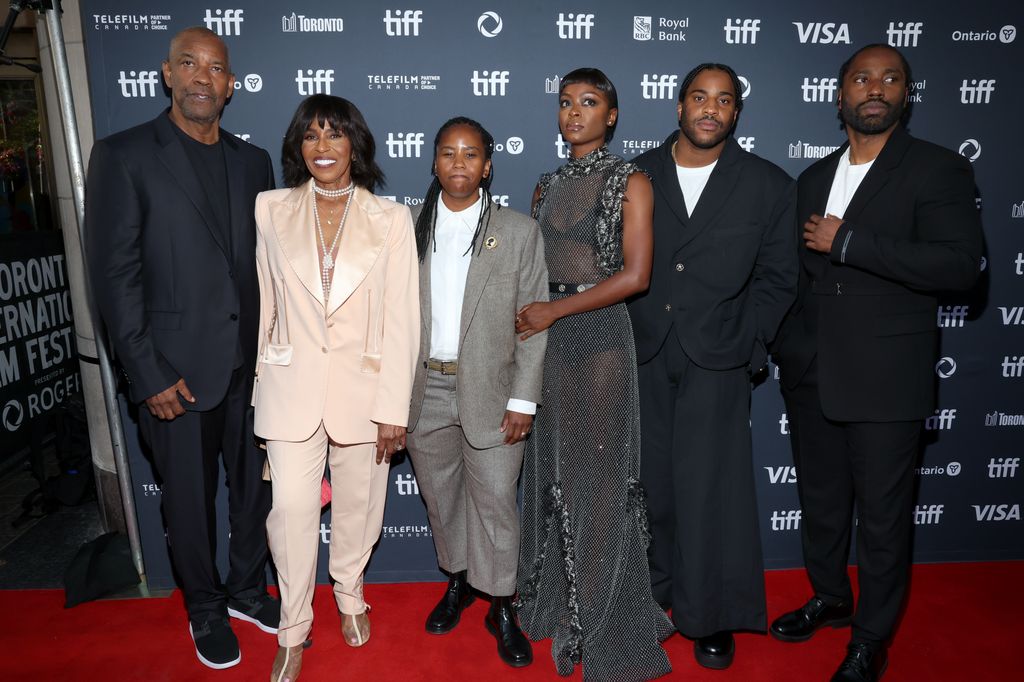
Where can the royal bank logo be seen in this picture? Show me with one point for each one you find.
(669, 30)
(130, 22)
(1012, 315)
(904, 33)
(138, 83)
(300, 23)
(827, 33)
(314, 81)
(406, 484)
(977, 91)
(489, 24)
(1007, 34)
(945, 367)
(746, 143)
(397, 82)
(1003, 467)
(942, 420)
(916, 91)
(225, 22)
(783, 474)
(1013, 366)
(489, 83)
(643, 28)
(403, 23)
(405, 145)
(574, 26)
(928, 514)
(653, 86)
(786, 520)
(819, 89)
(1003, 419)
(806, 150)
(742, 32)
(970, 149)
(951, 316)
(637, 146)
(996, 512)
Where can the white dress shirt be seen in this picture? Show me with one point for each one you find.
(449, 267)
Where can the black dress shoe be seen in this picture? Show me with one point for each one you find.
(715, 651)
(799, 625)
(864, 662)
(446, 614)
(513, 647)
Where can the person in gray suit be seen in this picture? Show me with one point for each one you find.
(477, 385)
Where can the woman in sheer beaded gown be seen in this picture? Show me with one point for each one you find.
(583, 575)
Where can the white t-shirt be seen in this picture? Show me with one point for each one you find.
(692, 182)
(845, 183)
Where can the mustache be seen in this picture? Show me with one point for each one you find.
(875, 101)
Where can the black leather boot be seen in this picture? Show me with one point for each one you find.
(715, 651)
(513, 646)
(446, 614)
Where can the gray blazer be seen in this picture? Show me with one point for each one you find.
(505, 273)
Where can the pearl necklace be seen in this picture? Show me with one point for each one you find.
(328, 262)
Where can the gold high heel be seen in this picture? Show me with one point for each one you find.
(356, 628)
(287, 664)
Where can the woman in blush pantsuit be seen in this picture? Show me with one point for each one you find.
(339, 334)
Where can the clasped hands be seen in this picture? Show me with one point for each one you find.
(820, 231)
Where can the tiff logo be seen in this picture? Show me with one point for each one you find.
(561, 147)
(746, 143)
(574, 26)
(744, 32)
(404, 145)
(403, 23)
(942, 420)
(315, 82)
(951, 315)
(1013, 315)
(406, 484)
(1013, 366)
(824, 34)
(786, 474)
(1019, 263)
(996, 512)
(819, 89)
(489, 83)
(225, 22)
(927, 514)
(138, 83)
(1017, 211)
(786, 520)
(784, 424)
(904, 33)
(654, 86)
(978, 92)
(1003, 467)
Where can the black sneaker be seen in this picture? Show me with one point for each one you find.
(216, 644)
(263, 611)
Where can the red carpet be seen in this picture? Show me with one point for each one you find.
(963, 622)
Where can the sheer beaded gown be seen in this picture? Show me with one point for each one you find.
(583, 574)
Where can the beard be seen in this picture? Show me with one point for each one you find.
(689, 129)
(871, 125)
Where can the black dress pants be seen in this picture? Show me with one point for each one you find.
(696, 465)
(838, 464)
(186, 455)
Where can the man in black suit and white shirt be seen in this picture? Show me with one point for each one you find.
(170, 244)
(724, 274)
(888, 221)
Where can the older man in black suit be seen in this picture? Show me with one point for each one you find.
(888, 221)
(725, 270)
(170, 244)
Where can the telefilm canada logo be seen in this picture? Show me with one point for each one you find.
(647, 28)
(407, 531)
(130, 22)
(300, 23)
(402, 82)
(637, 146)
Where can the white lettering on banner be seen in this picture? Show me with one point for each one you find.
(997, 512)
(1013, 366)
(904, 33)
(1007, 34)
(952, 315)
(1012, 315)
(653, 86)
(978, 92)
(130, 22)
(574, 26)
(951, 469)
(784, 424)
(634, 147)
(819, 89)
(746, 143)
(406, 532)
(783, 474)
(561, 147)
(138, 83)
(786, 520)
(225, 22)
(300, 23)
(42, 399)
(1019, 264)
(1002, 419)
(403, 23)
(942, 420)
(314, 82)
(743, 32)
(489, 83)
(500, 199)
(805, 150)
(1017, 210)
(927, 514)
(1003, 467)
(822, 33)
(406, 484)
(404, 145)
(151, 489)
(915, 91)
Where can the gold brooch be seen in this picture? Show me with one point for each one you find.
(490, 242)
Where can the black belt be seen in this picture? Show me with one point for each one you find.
(563, 287)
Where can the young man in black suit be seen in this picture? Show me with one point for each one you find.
(888, 220)
(170, 244)
(725, 270)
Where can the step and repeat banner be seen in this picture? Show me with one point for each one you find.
(409, 67)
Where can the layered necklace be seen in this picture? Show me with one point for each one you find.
(328, 258)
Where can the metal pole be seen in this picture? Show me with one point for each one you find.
(74, 147)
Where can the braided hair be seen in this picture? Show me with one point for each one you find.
(427, 220)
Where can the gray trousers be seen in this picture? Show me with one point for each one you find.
(470, 493)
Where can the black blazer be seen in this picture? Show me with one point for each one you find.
(175, 297)
(725, 276)
(869, 314)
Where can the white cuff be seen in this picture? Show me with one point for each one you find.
(521, 406)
